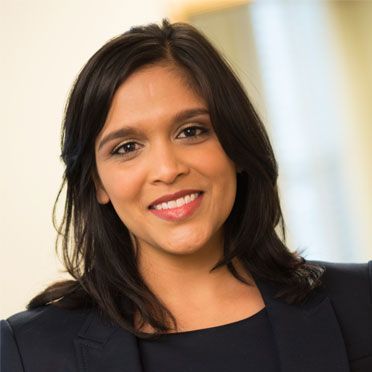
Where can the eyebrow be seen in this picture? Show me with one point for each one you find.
(132, 131)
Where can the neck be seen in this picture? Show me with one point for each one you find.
(196, 297)
(186, 286)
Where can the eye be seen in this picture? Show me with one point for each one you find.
(124, 149)
(191, 131)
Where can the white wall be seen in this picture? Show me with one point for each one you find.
(44, 44)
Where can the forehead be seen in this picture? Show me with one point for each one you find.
(151, 93)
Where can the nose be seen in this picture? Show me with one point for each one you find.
(166, 164)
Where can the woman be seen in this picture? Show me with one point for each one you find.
(169, 232)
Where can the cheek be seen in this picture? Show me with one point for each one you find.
(120, 185)
(221, 171)
(217, 164)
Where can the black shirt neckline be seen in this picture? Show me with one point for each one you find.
(258, 314)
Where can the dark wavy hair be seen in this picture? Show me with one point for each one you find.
(97, 249)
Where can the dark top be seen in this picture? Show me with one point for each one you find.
(245, 345)
(331, 331)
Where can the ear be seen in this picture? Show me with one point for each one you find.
(101, 194)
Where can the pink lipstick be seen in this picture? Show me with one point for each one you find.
(179, 213)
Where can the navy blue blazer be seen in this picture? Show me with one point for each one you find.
(332, 332)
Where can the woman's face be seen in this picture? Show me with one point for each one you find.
(158, 140)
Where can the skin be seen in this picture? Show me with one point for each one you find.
(174, 256)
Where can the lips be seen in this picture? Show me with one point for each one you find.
(181, 213)
(176, 195)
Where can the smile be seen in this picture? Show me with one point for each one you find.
(179, 209)
(176, 203)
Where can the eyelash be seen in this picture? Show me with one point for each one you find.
(203, 130)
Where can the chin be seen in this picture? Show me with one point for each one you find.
(180, 249)
(189, 240)
(185, 249)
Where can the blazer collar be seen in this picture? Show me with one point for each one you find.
(308, 338)
(102, 346)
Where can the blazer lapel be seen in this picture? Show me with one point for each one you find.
(101, 346)
(308, 337)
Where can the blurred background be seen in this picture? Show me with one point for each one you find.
(306, 65)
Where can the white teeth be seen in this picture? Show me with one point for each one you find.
(177, 203)
(171, 204)
(180, 202)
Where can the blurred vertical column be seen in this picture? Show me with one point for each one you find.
(351, 23)
(309, 85)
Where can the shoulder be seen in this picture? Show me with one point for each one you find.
(349, 288)
(39, 336)
(342, 280)
(47, 319)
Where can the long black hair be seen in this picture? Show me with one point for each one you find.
(97, 248)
